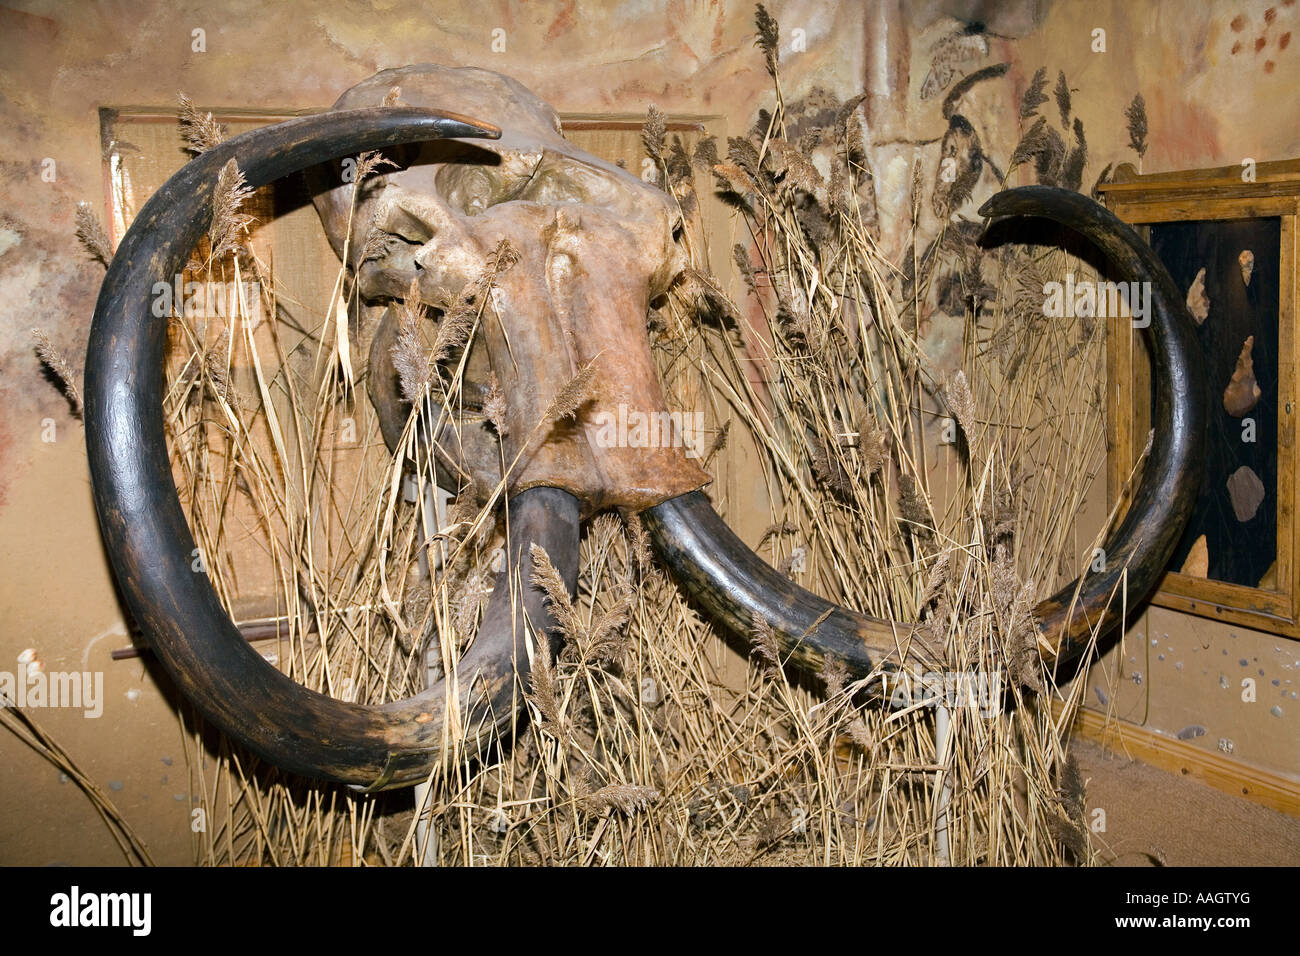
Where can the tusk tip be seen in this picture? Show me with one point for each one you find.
(457, 125)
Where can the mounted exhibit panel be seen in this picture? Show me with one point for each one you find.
(1227, 236)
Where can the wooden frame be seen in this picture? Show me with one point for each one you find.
(1270, 788)
(1215, 195)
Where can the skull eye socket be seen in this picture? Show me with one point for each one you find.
(380, 244)
(552, 186)
(468, 189)
(398, 222)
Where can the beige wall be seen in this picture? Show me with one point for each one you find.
(60, 62)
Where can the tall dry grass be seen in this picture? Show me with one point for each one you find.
(945, 496)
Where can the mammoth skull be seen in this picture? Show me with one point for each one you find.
(594, 246)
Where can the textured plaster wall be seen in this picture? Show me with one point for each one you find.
(60, 62)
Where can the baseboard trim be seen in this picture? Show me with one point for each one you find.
(1274, 790)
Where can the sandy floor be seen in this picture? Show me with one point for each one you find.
(1156, 818)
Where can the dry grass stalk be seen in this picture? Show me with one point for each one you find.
(200, 130)
(769, 38)
(229, 225)
(414, 369)
(548, 579)
(58, 364)
(745, 765)
(367, 163)
(654, 134)
(574, 395)
(961, 403)
(765, 650)
(545, 693)
(90, 231)
(1034, 96)
(625, 798)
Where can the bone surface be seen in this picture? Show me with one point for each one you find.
(594, 245)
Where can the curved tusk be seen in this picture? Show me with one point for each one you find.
(150, 544)
(737, 587)
(1139, 549)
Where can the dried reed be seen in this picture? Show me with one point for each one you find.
(648, 741)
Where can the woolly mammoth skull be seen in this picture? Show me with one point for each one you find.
(592, 246)
(589, 247)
